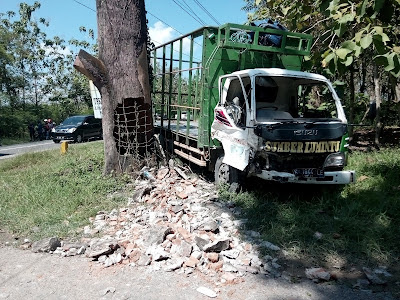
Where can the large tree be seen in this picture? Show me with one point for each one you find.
(121, 75)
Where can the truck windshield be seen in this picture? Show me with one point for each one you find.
(292, 98)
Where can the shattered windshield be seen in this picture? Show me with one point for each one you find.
(292, 98)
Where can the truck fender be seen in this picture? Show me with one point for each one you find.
(234, 143)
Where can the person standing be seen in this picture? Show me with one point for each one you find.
(46, 129)
(31, 129)
(40, 130)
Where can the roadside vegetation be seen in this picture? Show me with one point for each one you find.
(48, 194)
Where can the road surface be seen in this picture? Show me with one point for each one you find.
(14, 150)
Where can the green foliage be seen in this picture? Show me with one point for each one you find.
(351, 37)
(37, 79)
(55, 193)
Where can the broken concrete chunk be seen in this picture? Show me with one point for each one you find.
(196, 254)
(46, 245)
(209, 225)
(270, 246)
(185, 249)
(206, 291)
(213, 257)
(140, 193)
(174, 265)
(144, 260)
(232, 254)
(156, 235)
(192, 262)
(112, 260)
(228, 277)
(228, 267)
(176, 208)
(200, 242)
(158, 253)
(374, 277)
(317, 274)
(217, 246)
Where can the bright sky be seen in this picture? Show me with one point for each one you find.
(66, 16)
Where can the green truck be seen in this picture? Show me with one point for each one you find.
(233, 99)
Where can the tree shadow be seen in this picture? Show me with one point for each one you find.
(341, 229)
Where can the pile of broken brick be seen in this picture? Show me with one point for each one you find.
(175, 222)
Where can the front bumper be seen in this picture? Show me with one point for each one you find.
(63, 136)
(335, 177)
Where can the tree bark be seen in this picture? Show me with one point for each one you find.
(121, 75)
(352, 102)
(377, 91)
(395, 84)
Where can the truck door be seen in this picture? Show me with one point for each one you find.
(232, 119)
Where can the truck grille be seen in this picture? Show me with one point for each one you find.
(288, 162)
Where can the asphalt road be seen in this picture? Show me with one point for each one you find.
(14, 150)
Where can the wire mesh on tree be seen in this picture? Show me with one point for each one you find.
(133, 132)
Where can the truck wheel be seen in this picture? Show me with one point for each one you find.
(225, 174)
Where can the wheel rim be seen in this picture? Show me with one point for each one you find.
(223, 173)
(79, 138)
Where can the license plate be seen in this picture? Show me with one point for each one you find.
(308, 172)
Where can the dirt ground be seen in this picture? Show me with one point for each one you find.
(27, 275)
(363, 139)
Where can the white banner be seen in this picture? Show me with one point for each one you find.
(96, 100)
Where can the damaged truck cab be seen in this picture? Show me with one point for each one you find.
(233, 99)
(281, 125)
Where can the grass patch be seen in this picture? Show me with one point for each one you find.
(46, 193)
(358, 221)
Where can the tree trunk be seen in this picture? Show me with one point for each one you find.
(395, 84)
(377, 91)
(352, 102)
(121, 75)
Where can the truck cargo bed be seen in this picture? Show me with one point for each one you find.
(182, 128)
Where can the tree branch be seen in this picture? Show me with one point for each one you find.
(92, 67)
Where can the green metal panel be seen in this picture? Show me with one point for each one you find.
(179, 108)
(223, 54)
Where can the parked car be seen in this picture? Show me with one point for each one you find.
(78, 129)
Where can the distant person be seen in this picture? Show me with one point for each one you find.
(31, 128)
(46, 129)
(50, 126)
(40, 130)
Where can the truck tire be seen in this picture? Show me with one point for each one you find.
(225, 174)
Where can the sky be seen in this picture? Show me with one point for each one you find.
(166, 19)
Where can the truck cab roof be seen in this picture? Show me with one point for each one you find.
(279, 72)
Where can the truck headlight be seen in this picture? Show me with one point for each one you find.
(71, 130)
(53, 130)
(335, 160)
